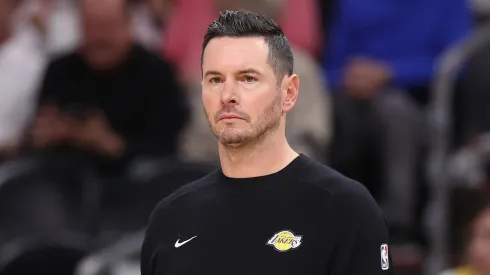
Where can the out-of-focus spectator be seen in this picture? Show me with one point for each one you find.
(63, 26)
(299, 20)
(370, 47)
(379, 58)
(478, 250)
(22, 62)
(111, 98)
(309, 124)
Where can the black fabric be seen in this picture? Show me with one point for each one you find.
(141, 99)
(220, 225)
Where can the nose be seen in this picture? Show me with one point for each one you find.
(229, 94)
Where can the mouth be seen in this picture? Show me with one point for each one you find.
(226, 117)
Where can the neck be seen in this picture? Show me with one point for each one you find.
(271, 155)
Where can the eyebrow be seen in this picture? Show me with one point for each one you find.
(249, 71)
(211, 73)
(246, 71)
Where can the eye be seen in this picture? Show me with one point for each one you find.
(215, 80)
(249, 79)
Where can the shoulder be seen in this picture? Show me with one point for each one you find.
(187, 198)
(330, 181)
(346, 195)
(149, 59)
(65, 61)
(156, 72)
(186, 194)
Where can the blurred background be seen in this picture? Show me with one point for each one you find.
(101, 117)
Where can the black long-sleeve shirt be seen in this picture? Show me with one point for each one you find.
(306, 219)
(141, 98)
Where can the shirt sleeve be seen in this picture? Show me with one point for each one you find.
(159, 225)
(364, 246)
(151, 241)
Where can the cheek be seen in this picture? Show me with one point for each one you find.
(210, 103)
(259, 108)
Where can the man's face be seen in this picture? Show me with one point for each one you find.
(480, 244)
(240, 94)
(106, 33)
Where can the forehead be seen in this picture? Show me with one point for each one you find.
(229, 53)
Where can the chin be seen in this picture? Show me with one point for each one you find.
(232, 136)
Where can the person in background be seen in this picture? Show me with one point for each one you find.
(328, 223)
(478, 250)
(309, 124)
(22, 62)
(299, 20)
(111, 98)
(380, 63)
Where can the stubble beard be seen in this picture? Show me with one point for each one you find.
(234, 138)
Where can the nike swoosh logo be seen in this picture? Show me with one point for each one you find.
(178, 244)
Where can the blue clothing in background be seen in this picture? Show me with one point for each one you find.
(406, 34)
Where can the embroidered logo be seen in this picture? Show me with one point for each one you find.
(385, 259)
(284, 241)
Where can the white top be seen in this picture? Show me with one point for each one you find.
(22, 63)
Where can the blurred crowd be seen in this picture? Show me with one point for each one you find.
(101, 117)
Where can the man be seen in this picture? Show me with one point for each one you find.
(477, 252)
(112, 98)
(381, 62)
(267, 210)
(101, 108)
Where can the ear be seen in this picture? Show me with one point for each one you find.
(290, 90)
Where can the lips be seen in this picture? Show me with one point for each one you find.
(229, 116)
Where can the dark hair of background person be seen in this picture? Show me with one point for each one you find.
(475, 204)
(244, 23)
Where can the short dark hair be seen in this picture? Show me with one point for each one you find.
(242, 23)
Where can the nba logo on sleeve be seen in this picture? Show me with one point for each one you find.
(385, 259)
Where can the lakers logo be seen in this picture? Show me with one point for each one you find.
(284, 241)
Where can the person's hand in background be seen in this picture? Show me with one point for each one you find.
(94, 133)
(51, 128)
(364, 77)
